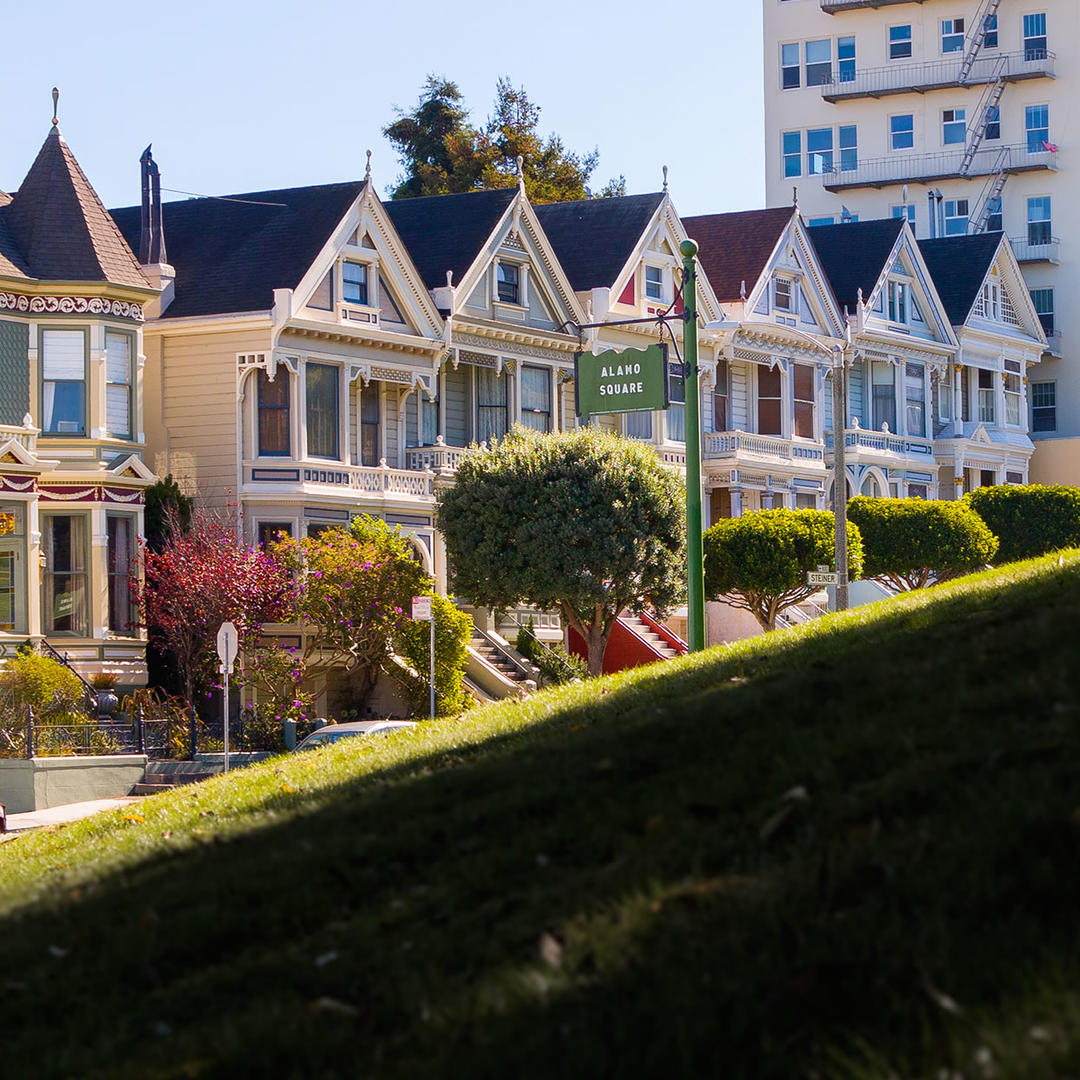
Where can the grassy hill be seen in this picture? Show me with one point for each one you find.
(849, 851)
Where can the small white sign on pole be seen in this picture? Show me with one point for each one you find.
(421, 612)
(228, 640)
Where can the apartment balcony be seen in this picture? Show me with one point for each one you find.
(884, 448)
(761, 449)
(939, 75)
(1035, 251)
(899, 168)
(377, 481)
(1053, 343)
(830, 7)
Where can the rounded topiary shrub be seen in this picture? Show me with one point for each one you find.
(759, 562)
(912, 543)
(1029, 520)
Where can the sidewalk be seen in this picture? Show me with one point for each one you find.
(59, 815)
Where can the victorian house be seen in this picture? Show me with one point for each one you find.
(980, 409)
(72, 420)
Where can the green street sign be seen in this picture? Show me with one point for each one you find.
(634, 380)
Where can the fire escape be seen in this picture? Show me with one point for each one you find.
(988, 112)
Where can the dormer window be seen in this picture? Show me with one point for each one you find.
(783, 295)
(991, 297)
(508, 283)
(354, 283)
(654, 282)
(898, 302)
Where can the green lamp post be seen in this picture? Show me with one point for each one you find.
(695, 571)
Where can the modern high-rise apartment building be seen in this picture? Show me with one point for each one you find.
(961, 116)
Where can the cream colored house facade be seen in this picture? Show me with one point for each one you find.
(959, 117)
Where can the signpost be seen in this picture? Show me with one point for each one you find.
(421, 610)
(227, 643)
(634, 380)
(695, 554)
(822, 576)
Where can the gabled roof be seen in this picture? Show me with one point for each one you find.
(854, 254)
(446, 232)
(55, 228)
(734, 248)
(230, 253)
(959, 265)
(593, 238)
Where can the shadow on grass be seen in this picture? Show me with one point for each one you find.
(725, 866)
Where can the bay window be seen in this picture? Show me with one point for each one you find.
(120, 529)
(915, 399)
(491, 410)
(118, 384)
(369, 425)
(64, 543)
(720, 397)
(272, 400)
(803, 392)
(986, 396)
(63, 382)
(536, 398)
(1012, 398)
(12, 567)
(883, 394)
(768, 401)
(322, 407)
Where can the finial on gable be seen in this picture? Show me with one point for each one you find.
(795, 197)
(860, 299)
(55, 104)
(367, 170)
(521, 172)
(742, 289)
(665, 177)
(449, 279)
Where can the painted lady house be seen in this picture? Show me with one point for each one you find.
(72, 420)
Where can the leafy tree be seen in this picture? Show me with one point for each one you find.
(168, 510)
(912, 543)
(199, 580)
(443, 153)
(585, 522)
(413, 641)
(356, 588)
(1029, 520)
(759, 562)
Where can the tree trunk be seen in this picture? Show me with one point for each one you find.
(597, 641)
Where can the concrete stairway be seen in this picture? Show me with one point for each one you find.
(166, 775)
(499, 659)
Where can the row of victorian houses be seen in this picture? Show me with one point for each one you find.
(308, 354)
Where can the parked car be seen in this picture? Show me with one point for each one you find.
(333, 733)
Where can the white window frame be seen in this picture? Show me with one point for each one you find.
(522, 268)
(890, 41)
(903, 132)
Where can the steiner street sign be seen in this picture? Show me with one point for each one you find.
(634, 380)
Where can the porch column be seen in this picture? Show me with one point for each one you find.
(958, 397)
(736, 502)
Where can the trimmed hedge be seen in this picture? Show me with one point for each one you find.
(759, 561)
(1029, 520)
(912, 543)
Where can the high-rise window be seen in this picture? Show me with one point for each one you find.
(848, 135)
(1035, 36)
(819, 151)
(845, 59)
(1038, 219)
(993, 122)
(768, 401)
(1043, 299)
(1044, 406)
(901, 131)
(900, 42)
(273, 408)
(789, 66)
(63, 382)
(990, 39)
(903, 210)
(953, 126)
(956, 217)
(791, 143)
(1037, 128)
(818, 62)
(321, 391)
(952, 35)
(993, 214)
(118, 384)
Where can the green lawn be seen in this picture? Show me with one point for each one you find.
(848, 851)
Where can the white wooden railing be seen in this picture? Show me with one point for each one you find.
(721, 444)
(24, 436)
(372, 480)
(886, 442)
(439, 458)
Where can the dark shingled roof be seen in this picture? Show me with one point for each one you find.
(958, 265)
(55, 228)
(853, 255)
(230, 255)
(734, 248)
(593, 238)
(446, 232)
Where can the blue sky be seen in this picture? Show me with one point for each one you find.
(239, 97)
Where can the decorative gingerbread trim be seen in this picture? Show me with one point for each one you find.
(70, 305)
